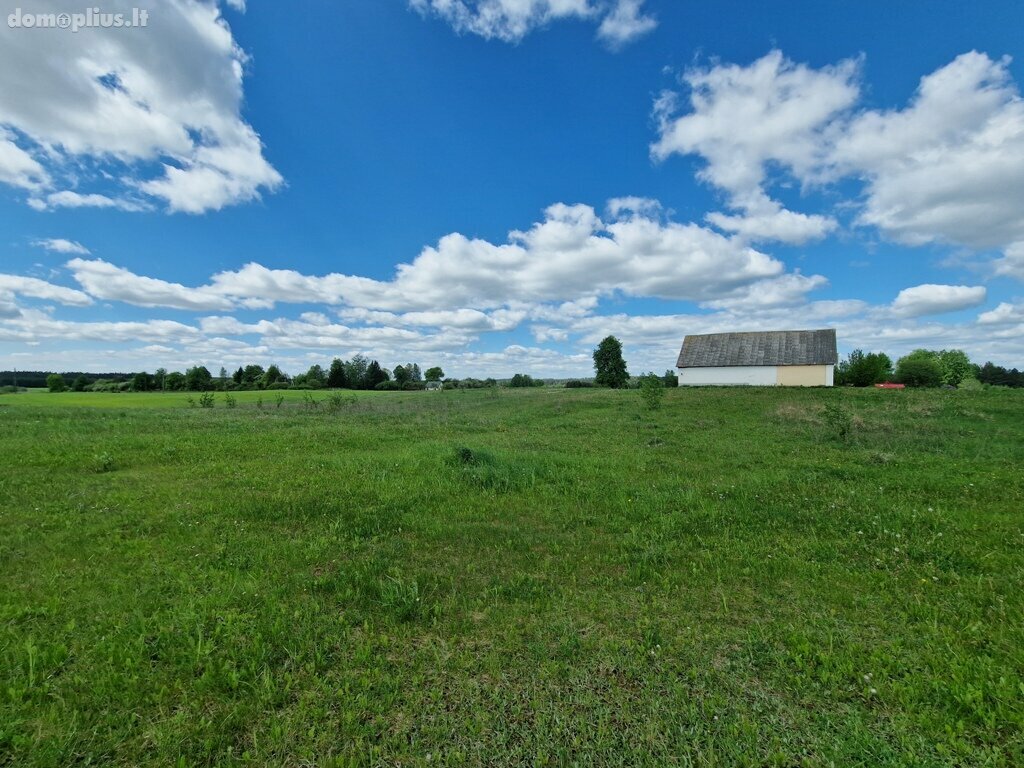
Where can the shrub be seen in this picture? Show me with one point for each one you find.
(838, 420)
(55, 382)
(229, 400)
(206, 400)
(577, 384)
(863, 370)
(652, 390)
(919, 371)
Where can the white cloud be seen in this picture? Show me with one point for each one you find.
(932, 299)
(1003, 314)
(766, 220)
(511, 20)
(107, 281)
(168, 95)
(70, 199)
(743, 121)
(60, 245)
(570, 254)
(1011, 264)
(946, 168)
(17, 167)
(787, 290)
(35, 288)
(34, 325)
(950, 166)
(625, 23)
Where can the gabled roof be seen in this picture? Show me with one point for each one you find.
(762, 348)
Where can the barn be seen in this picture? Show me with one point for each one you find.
(767, 358)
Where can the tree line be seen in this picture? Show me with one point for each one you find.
(922, 368)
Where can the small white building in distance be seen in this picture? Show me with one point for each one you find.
(767, 358)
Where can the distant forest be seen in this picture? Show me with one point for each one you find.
(38, 378)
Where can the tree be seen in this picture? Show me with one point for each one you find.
(252, 374)
(314, 377)
(434, 374)
(414, 372)
(142, 382)
(238, 376)
(917, 370)
(174, 381)
(670, 379)
(998, 376)
(55, 382)
(223, 375)
(271, 376)
(863, 370)
(401, 374)
(79, 384)
(956, 366)
(522, 380)
(374, 375)
(609, 367)
(336, 378)
(159, 378)
(355, 371)
(198, 379)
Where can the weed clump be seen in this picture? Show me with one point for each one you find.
(103, 462)
(838, 420)
(652, 390)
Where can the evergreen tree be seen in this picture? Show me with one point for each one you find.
(374, 375)
(336, 377)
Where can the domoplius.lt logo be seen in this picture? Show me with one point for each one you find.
(90, 18)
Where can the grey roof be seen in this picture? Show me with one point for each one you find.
(761, 348)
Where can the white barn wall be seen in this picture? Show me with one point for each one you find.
(759, 376)
(753, 375)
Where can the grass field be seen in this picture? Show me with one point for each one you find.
(535, 577)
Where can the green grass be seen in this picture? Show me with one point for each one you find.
(44, 398)
(540, 577)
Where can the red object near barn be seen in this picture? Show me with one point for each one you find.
(890, 385)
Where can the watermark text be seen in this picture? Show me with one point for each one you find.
(90, 18)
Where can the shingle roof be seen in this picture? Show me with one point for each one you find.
(762, 348)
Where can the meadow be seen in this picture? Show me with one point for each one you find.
(741, 577)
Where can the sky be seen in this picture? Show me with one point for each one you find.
(493, 186)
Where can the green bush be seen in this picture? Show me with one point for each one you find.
(919, 371)
(652, 390)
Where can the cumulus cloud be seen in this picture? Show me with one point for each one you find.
(950, 166)
(1011, 264)
(17, 167)
(947, 168)
(937, 299)
(35, 288)
(620, 22)
(1003, 314)
(60, 245)
(571, 253)
(112, 283)
(744, 120)
(166, 96)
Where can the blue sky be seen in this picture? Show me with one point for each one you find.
(495, 185)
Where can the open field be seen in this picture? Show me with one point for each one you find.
(541, 577)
